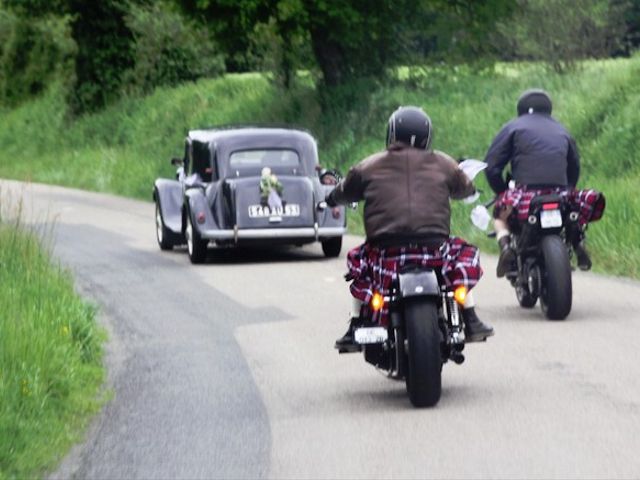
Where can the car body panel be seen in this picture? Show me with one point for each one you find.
(169, 194)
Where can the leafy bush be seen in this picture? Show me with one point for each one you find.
(34, 52)
(561, 33)
(168, 50)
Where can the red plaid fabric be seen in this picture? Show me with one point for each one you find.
(590, 204)
(375, 269)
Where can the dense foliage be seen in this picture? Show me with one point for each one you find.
(123, 148)
(100, 51)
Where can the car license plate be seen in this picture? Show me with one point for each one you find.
(371, 335)
(288, 210)
(550, 219)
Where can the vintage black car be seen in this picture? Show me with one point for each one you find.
(240, 186)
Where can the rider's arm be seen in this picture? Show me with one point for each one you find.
(497, 158)
(350, 189)
(459, 184)
(573, 163)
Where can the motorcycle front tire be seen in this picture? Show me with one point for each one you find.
(424, 360)
(555, 297)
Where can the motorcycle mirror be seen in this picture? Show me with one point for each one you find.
(480, 217)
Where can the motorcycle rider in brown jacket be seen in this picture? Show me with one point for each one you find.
(406, 190)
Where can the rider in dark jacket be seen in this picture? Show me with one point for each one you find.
(542, 155)
(406, 190)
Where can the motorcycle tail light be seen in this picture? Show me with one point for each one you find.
(200, 217)
(460, 294)
(550, 206)
(377, 302)
(335, 212)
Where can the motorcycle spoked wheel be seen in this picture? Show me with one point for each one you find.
(424, 361)
(556, 292)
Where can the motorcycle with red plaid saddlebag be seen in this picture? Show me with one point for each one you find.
(542, 266)
(424, 331)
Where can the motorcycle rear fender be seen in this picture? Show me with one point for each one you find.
(537, 202)
(423, 283)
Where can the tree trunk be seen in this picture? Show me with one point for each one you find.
(329, 56)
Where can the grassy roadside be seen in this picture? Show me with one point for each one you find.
(50, 357)
(124, 148)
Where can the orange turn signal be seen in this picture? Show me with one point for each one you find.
(460, 294)
(377, 302)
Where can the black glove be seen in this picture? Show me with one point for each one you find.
(329, 199)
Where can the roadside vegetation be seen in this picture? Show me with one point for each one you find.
(124, 147)
(50, 356)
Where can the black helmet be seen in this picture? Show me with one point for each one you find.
(534, 100)
(410, 125)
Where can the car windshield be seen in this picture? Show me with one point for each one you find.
(264, 158)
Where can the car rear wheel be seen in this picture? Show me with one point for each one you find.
(332, 247)
(196, 245)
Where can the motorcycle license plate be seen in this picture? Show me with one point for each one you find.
(550, 219)
(371, 335)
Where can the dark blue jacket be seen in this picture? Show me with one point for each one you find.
(541, 152)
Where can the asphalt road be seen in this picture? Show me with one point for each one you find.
(227, 370)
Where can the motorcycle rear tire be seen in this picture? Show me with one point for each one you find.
(555, 297)
(424, 361)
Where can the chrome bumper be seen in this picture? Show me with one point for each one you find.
(279, 233)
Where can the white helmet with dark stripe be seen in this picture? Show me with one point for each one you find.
(411, 126)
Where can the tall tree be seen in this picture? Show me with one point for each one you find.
(105, 51)
(348, 38)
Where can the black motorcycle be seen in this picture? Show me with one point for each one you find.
(425, 331)
(542, 269)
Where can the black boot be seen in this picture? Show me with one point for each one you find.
(576, 237)
(347, 343)
(475, 330)
(582, 256)
(507, 257)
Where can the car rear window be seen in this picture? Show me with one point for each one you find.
(264, 158)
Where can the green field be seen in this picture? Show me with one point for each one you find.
(50, 357)
(124, 148)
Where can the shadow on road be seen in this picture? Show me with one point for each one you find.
(245, 255)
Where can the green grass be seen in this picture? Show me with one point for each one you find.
(124, 148)
(50, 357)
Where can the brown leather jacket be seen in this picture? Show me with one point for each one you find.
(406, 193)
